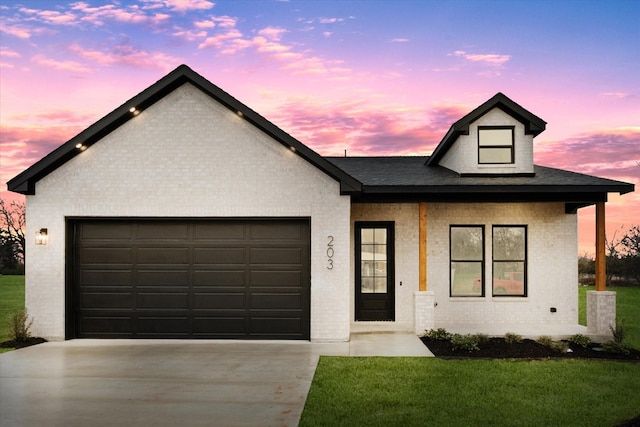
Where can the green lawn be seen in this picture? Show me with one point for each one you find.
(11, 300)
(417, 391)
(627, 307)
(378, 391)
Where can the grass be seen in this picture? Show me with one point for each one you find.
(379, 391)
(427, 391)
(627, 307)
(11, 301)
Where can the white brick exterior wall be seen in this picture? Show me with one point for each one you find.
(552, 255)
(552, 266)
(462, 157)
(188, 156)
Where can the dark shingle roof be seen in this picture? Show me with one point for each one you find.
(406, 176)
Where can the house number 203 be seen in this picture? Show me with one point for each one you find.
(330, 253)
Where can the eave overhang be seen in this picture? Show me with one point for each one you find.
(25, 182)
(533, 125)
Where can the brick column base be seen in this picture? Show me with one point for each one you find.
(601, 312)
(423, 309)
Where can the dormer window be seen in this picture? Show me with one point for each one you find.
(495, 145)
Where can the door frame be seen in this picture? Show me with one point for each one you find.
(390, 301)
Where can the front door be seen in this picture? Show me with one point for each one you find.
(375, 297)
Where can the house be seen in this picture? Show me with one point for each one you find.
(185, 214)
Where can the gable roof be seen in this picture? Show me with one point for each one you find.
(398, 179)
(25, 182)
(533, 125)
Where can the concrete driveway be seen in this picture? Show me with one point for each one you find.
(169, 383)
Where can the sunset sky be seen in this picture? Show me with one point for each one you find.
(369, 76)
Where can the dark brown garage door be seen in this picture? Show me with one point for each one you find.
(191, 279)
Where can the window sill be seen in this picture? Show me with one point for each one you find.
(467, 299)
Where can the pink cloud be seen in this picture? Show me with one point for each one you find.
(125, 54)
(52, 17)
(488, 59)
(22, 146)
(73, 66)
(131, 14)
(204, 24)
(364, 129)
(179, 5)
(189, 35)
(609, 152)
(616, 95)
(399, 40)
(272, 33)
(8, 53)
(219, 39)
(15, 31)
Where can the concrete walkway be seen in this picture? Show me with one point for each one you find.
(169, 383)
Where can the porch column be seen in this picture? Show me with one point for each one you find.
(424, 301)
(601, 304)
(422, 248)
(601, 258)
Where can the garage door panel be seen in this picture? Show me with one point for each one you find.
(111, 278)
(115, 255)
(191, 279)
(275, 231)
(162, 300)
(283, 325)
(163, 255)
(276, 301)
(278, 278)
(219, 256)
(222, 278)
(162, 325)
(163, 278)
(162, 230)
(216, 327)
(286, 256)
(115, 231)
(219, 231)
(107, 326)
(219, 301)
(109, 300)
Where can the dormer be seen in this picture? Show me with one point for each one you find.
(495, 139)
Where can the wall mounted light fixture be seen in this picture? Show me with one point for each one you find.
(42, 237)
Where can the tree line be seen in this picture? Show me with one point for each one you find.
(623, 257)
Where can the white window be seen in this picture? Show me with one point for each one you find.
(495, 145)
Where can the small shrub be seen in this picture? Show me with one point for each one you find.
(20, 325)
(545, 340)
(510, 338)
(482, 338)
(560, 346)
(466, 342)
(618, 332)
(439, 334)
(580, 340)
(616, 348)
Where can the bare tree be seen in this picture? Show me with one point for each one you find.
(12, 229)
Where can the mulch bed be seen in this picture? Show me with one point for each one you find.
(497, 348)
(21, 344)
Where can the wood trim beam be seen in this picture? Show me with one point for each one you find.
(422, 245)
(601, 258)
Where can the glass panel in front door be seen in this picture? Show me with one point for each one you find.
(373, 256)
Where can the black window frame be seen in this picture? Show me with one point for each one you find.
(524, 261)
(490, 147)
(482, 262)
